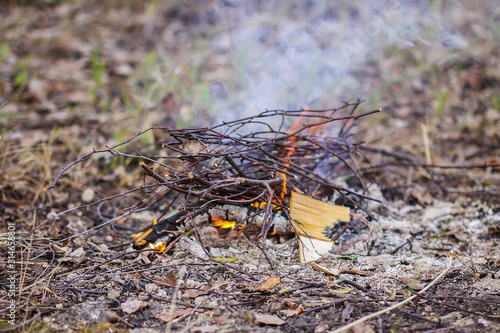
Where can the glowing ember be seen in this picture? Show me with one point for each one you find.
(158, 247)
(223, 224)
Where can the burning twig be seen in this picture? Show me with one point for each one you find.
(248, 162)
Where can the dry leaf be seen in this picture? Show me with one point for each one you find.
(297, 311)
(193, 293)
(494, 230)
(247, 315)
(193, 147)
(290, 301)
(346, 314)
(166, 317)
(317, 267)
(315, 303)
(335, 271)
(38, 89)
(169, 278)
(222, 320)
(268, 319)
(206, 329)
(362, 328)
(421, 194)
(269, 284)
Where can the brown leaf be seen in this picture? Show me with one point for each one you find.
(269, 284)
(247, 315)
(193, 147)
(38, 89)
(206, 329)
(362, 328)
(333, 271)
(421, 194)
(297, 311)
(494, 230)
(193, 293)
(222, 320)
(166, 317)
(169, 278)
(268, 319)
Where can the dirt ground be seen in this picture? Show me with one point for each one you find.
(78, 76)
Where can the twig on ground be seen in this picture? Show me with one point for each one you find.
(397, 305)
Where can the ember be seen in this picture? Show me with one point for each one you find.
(223, 224)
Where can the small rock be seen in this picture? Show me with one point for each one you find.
(88, 195)
(113, 294)
(216, 252)
(132, 305)
(150, 287)
(209, 232)
(321, 328)
(103, 248)
(77, 253)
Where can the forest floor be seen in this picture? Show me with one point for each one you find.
(82, 75)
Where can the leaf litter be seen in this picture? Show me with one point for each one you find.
(100, 280)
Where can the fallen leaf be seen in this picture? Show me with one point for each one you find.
(222, 320)
(78, 252)
(193, 147)
(169, 279)
(421, 194)
(321, 328)
(315, 303)
(346, 314)
(166, 317)
(269, 284)
(38, 89)
(362, 328)
(206, 329)
(336, 271)
(247, 315)
(268, 319)
(297, 311)
(324, 269)
(193, 293)
(88, 195)
(494, 230)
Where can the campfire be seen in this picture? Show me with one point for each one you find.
(267, 174)
(256, 174)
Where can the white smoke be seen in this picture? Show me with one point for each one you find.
(284, 55)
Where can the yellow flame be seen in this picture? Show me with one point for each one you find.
(158, 247)
(291, 145)
(223, 224)
(284, 186)
(260, 204)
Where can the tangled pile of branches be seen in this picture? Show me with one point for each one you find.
(253, 161)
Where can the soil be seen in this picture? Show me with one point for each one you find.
(78, 76)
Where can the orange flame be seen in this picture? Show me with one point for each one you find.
(223, 224)
(290, 145)
(158, 247)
